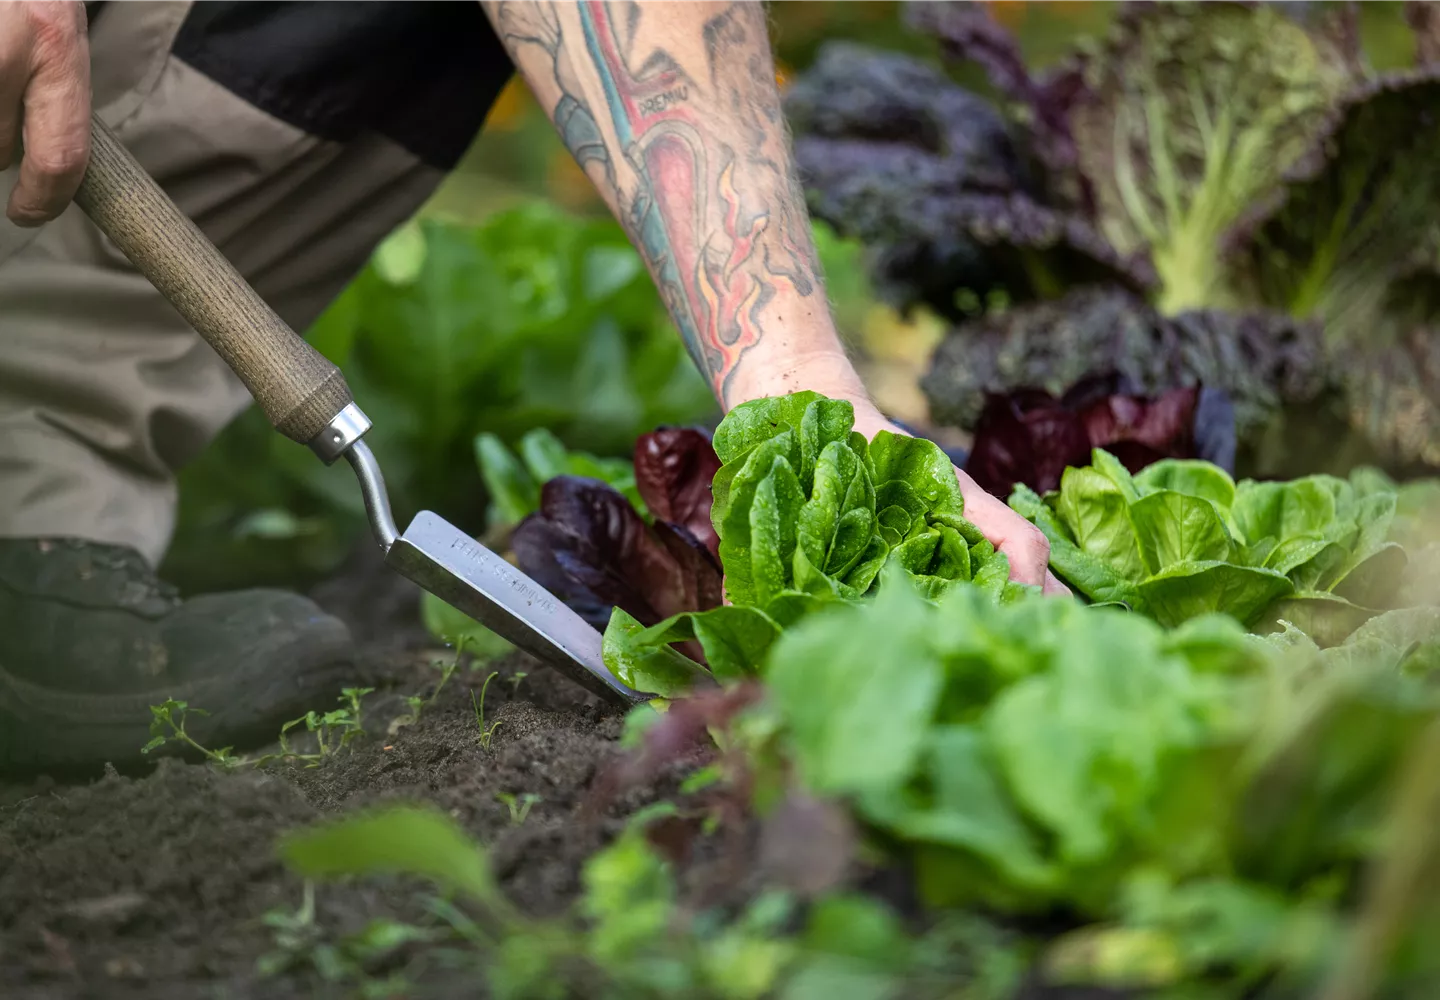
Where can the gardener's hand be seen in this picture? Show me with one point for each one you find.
(829, 371)
(44, 104)
(1023, 544)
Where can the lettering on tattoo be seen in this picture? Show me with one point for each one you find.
(658, 103)
(695, 158)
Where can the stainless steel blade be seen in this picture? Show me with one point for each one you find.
(465, 574)
(469, 577)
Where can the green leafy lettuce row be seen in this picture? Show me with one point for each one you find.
(1043, 754)
(1199, 805)
(809, 512)
(1416, 528)
(1181, 539)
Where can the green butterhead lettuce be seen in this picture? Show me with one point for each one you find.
(1207, 790)
(1023, 748)
(734, 639)
(840, 549)
(1181, 539)
(766, 499)
(808, 512)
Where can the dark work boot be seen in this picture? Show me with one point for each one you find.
(90, 639)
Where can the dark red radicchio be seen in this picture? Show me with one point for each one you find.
(1029, 436)
(591, 548)
(673, 470)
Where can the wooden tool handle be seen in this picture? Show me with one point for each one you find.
(299, 390)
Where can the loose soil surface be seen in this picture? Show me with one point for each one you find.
(157, 885)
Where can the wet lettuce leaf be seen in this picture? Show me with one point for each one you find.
(801, 501)
(1029, 436)
(808, 513)
(1181, 539)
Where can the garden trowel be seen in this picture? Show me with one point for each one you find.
(307, 400)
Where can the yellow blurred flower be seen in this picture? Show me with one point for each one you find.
(783, 75)
(511, 107)
(888, 336)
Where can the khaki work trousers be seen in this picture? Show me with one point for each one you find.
(104, 390)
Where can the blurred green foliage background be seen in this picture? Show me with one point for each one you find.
(514, 301)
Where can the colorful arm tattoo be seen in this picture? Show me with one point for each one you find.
(697, 163)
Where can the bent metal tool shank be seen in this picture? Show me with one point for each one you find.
(306, 398)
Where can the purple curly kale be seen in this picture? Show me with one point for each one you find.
(930, 177)
(1261, 205)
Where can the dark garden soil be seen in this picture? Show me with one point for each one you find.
(157, 885)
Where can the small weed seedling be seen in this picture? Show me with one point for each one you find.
(447, 671)
(418, 703)
(519, 806)
(171, 716)
(300, 941)
(486, 735)
(515, 680)
(295, 935)
(333, 730)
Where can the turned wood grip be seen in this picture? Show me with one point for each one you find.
(297, 387)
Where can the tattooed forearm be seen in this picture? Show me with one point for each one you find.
(672, 110)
